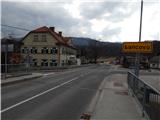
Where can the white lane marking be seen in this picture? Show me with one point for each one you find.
(8, 108)
(59, 73)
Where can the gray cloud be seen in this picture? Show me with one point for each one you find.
(30, 15)
(33, 15)
(92, 10)
(117, 11)
(111, 31)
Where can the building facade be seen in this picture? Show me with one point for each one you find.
(10, 51)
(45, 47)
(155, 62)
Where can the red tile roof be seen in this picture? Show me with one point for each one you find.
(60, 39)
(45, 29)
(41, 29)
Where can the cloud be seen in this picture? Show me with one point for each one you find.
(112, 20)
(34, 14)
(111, 31)
(110, 10)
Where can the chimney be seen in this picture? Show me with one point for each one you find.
(60, 33)
(52, 28)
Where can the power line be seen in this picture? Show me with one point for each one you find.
(15, 27)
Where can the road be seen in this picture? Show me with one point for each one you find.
(61, 96)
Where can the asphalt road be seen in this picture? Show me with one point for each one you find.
(61, 96)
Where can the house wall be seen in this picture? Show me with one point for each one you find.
(62, 56)
(29, 40)
(65, 54)
(29, 43)
(155, 62)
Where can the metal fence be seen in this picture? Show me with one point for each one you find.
(11, 70)
(147, 96)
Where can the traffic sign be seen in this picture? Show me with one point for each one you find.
(137, 47)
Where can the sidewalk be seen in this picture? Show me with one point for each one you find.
(115, 103)
(153, 80)
(20, 78)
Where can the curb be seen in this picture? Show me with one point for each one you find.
(18, 81)
(91, 108)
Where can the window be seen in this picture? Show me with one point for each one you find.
(53, 62)
(63, 51)
(35, 39)
(44, 62)
(25, 50)
(44, 50)
(33, 50)
(43, 38)
(34, 62)
(54, 50)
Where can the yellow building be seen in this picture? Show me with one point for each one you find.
(45, 47)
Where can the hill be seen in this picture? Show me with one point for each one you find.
(104, 48)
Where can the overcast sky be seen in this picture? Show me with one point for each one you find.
(105, 20)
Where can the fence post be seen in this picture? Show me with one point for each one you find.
(6, 59)
(144, 99)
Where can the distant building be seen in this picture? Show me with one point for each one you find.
(45, 47)
(155, 62)
(11, 47)
(10, 52)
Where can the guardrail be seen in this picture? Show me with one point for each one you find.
(147, 96)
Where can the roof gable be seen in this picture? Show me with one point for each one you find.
(41, 29)
(59, 38)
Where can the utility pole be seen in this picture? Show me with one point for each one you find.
(140, 30)
(137, 62)
(6, 58)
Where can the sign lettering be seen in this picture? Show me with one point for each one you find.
(137, 47)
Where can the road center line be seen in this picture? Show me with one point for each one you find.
(31, 98)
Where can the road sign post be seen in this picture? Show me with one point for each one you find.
(140, 32)
(137, 48)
